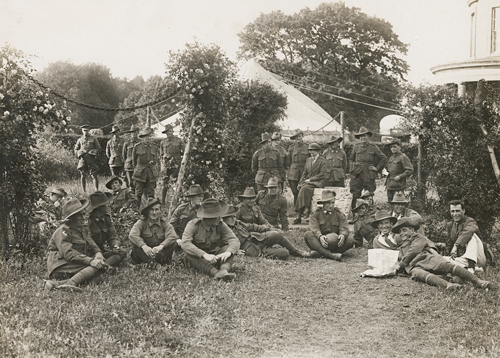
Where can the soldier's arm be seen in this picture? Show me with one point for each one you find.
(187, 241)
(343, 226)
(124, 150)
(175, 220)
(228, 236)
(255, 227)
(344, 162)
(170, 236)
(314, 225)
(261, 220)
(112, 238)
(108, 149)
(97, 145)
(63, 243)
(467, 232)
(417, 245)
(255, 163)
(407, 166)
(135, 234)
(134, 160)
(77, 146)
(323, 169)
(280, 167)
(382, 159)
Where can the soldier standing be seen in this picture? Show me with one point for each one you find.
(399, 168)
(128, 148)
(298, 155)
(114, 151)
(86, 149)
(266, 163)
(171, 150)
(144, 159)
(275, 143)
(364, 157)
(336, 163)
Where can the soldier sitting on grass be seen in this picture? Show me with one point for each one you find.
(209, 243)
(73, 257)
(186, 212)
(273, 205)
(152, 237)
(102, 229)
(383, 222)
(329, 232)
(258, 240)
(53, 205)
(362, 224)
(419, 258)
(122, 197)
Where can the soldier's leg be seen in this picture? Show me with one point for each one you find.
(390, 195)
(79, 274)
(93, 168)
(164, 189)
(355, 187)
(140, 186)
(83, 180)
(276, 253)
(420, 274)
(314, 244)
(138, 256)
(202, 265)
(164, 257)
(463, 273)
(304, 198)
(274, 237)
(114, 257)
(348, 244)
(130, 180)
(293, 187)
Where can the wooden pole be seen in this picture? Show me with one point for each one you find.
(148, 122)
(342, 128)
(182, 170)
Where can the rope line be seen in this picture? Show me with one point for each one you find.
(98, 108)
(342, 89)
(326, 124)
(344, 98)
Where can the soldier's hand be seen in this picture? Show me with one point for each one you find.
(397, 178)
(341, 240)
(279, 231)
(453, 253)
(440, 245)
(371, 167)
(241, 252)
(157, 249)
(224, 256)
(148, 251)
(98, 264)
(210, 258)
(395, 267)
(99, 256)
(322, 239)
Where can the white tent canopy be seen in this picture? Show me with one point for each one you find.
(160, 127)
(302, 112)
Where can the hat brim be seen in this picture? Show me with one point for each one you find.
(247, 196)
(144, 210)
(398, 202)
(296, 135)
(357, 135)
(217, 214)
(110, 181)
(108, 200)
(84, 202)
(339, 139)
(57, 192)
(271, 186)
(230, 212)
(357, 207)
(392, 218)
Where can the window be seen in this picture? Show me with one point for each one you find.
(473, 35)
(495, 26)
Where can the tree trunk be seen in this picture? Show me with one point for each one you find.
(479, 98)
(182, 170)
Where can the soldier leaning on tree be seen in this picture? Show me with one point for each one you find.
(86, 149)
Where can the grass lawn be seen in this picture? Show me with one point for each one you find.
(295, 308)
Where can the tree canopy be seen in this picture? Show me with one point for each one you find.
(333, 49)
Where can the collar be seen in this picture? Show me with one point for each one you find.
(205, 226)
(153, 222)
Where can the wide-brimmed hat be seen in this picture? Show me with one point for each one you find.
(168, 127)
(314, 146)
(212, 208)
(38, 216)
(115, 129)
(276, 136)
(195, 190)
(365, 194)
(98, 198)
(151, 202)
(296, 133)
(399, 198)
(394, 141)
(265, 137)
(85, 126)
(359, 203)
(413, 222)
(248, 193)
(59, 191)
(231, 210)
(145, 132)
(334, 139)
(72, 207)
(362, 130)
(327, 196)
(272, 183)
(382, 215)
(133, 128)
(110, 181)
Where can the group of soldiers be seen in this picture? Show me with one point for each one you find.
(208, 233)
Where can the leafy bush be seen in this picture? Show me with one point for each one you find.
(55, 161)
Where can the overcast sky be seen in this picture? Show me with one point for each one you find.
(133, 37)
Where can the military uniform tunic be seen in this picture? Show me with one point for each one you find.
(114, 151)
(121, 198)
(266, 163)
(144, 158)
(171, 150)
(336, 167)
(86, 149)
(251, 214)
(127, 154)
(181, 216)
(273, 207)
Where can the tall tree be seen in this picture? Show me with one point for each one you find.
(333, 49)
(89, 83)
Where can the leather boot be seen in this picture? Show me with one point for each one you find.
(336, 257)
(469, 276)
